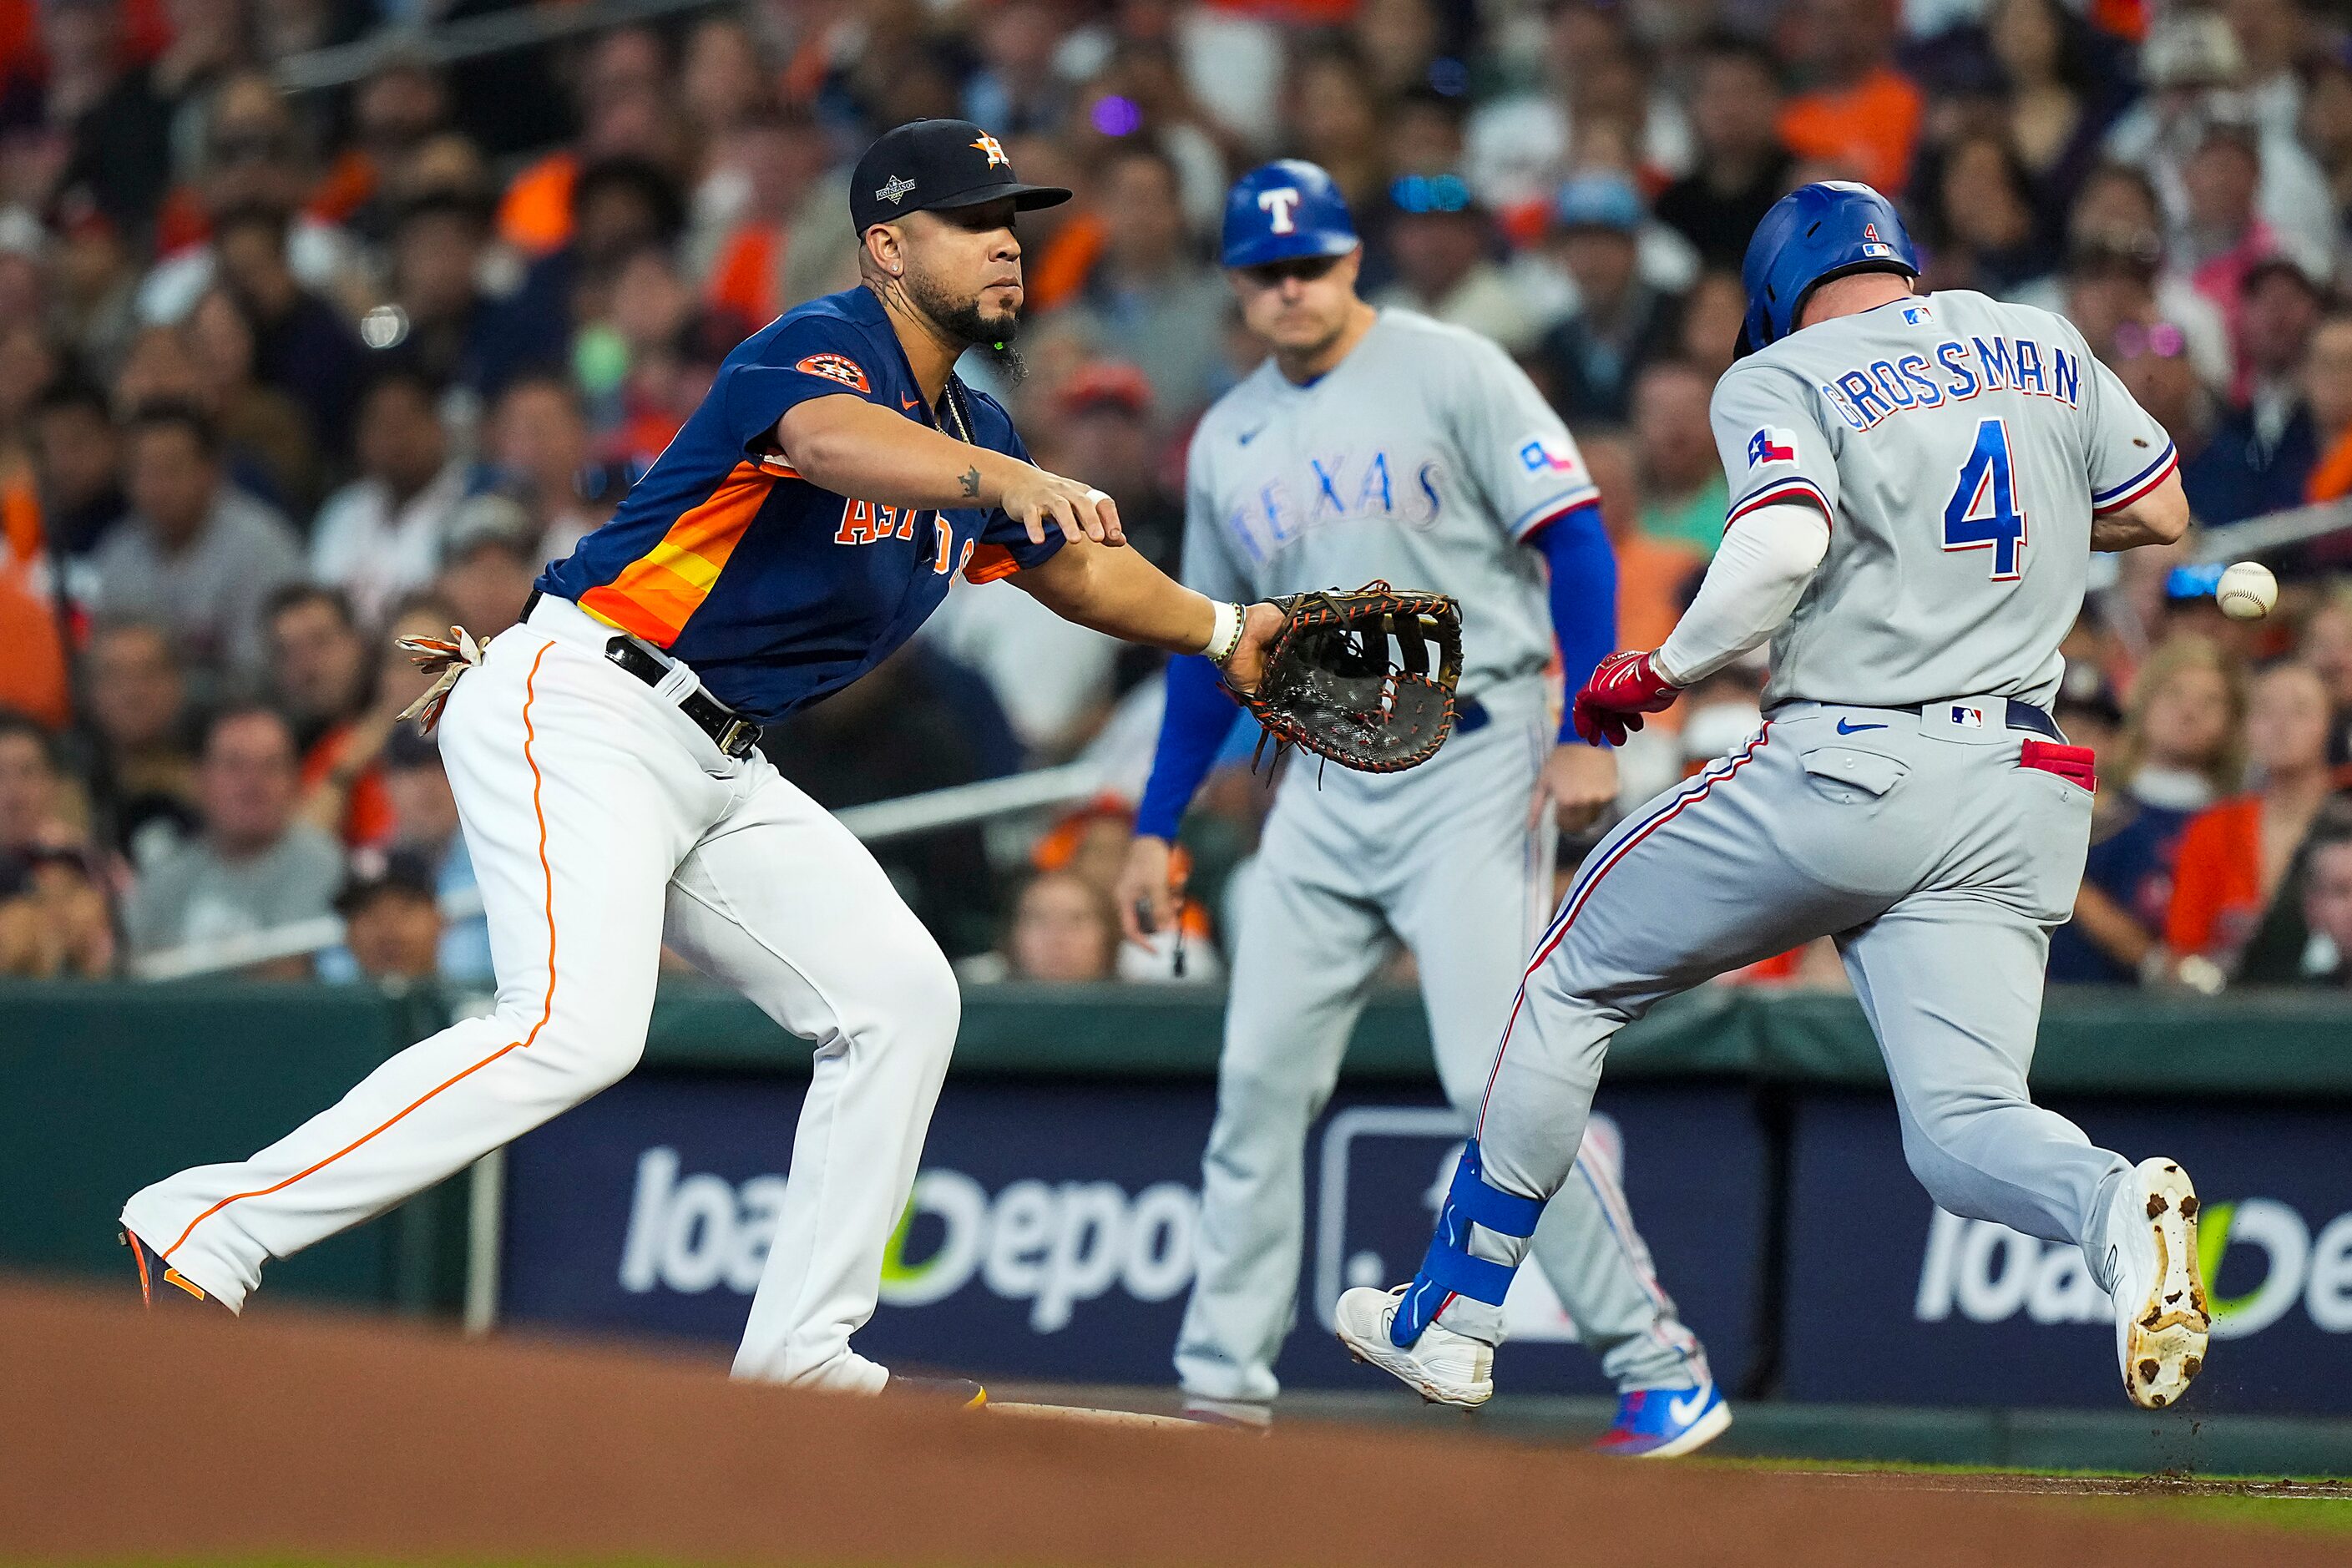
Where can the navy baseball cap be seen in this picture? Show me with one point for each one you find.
(1285, 210)
(929, 165)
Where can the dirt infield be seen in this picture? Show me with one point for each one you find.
(293, 1433)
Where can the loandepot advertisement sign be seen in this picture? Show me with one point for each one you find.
(1892, 1298)
(1054, 1231)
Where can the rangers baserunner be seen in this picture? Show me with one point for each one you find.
(1380, 443)
(1919, 484)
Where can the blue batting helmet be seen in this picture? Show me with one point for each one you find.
(1813, 234)
(1283, 211)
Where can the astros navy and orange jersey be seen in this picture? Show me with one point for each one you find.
(777, 592)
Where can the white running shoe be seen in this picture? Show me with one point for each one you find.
(1442, 1366)
(2161, 1321)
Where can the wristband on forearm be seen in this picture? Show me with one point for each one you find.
(1226, 635)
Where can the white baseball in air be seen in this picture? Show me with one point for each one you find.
(2246, 592)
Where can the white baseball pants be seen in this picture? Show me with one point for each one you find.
(603, 823)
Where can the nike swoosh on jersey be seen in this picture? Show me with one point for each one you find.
(1246, 437)
(907, 402)
(1845, 728)
(1686, 1410)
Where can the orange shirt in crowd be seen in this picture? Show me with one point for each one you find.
(746, 275)
(2217, 889)
(2332, 479)
(367, 810)
(1650, 576)
(1062, 268)
(535, 215)
(33, 676)
(1868, 128)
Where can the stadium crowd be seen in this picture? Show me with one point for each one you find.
(284, 373)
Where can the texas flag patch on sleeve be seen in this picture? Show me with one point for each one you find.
(1771, 445)
(1540, 455)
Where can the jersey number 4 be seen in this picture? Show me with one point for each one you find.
(1983, 513)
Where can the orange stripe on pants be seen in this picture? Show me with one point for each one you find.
(547, 1009)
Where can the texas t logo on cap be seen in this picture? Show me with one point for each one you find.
(1279, 204)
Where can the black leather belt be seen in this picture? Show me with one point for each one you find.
(2026, 716)
(734, 734)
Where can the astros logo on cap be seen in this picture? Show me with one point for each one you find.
(995, 151)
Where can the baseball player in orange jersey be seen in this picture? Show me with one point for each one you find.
(803, 524)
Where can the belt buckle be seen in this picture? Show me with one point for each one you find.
(737, 738)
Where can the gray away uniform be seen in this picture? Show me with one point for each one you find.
(1424, 457)
(1960, 447)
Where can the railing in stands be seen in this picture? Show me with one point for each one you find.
(877, 823)
(519, 27)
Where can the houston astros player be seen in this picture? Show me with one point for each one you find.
(801, 526)
(1919, 484)
(1382, 443)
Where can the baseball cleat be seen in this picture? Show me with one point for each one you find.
(2161, 1318)
(1442, 1366)
(958, 1392)
(155, 1274)
(1665, 1423)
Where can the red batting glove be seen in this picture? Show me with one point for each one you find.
(1624, 686)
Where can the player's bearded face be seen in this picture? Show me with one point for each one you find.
(965, 275)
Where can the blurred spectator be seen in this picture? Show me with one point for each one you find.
(2180, 750)
(96, 282)
(118, 127)
(1147, 299)
(2327, 394)
(1593, 109)
(195, 554)
(1685, 497)
(253, 161)
(2117, 270)
(260, 422)
(1654, 575)
(2326, 120)
(1588, 363)
(1443, 243)
(1063, 931)
(1858, 115)
(2058, 104)
(1982, 230)
(2327, 649)
(746, 239)
(2279, 307)
(137, 704)
(1741, 168)
(1712, 315)
(2221, 238)
(2327, 898)
(77, 456)
(396, 111)
(2266, 456)
(539, 446)
(2192, 65)
(457, 332)
(426, 828)
(53, 917)
(2234, 856)
(618, 205)
(1017, 87)
(1333, 120)
(302, 344)
(381, 536)
(255, 867)
(490, 561)
(320, 666)
(393, 929)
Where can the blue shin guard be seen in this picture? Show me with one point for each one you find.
(1447, 1269)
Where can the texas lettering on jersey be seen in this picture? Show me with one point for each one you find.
(1341, 488)
(1866, 397)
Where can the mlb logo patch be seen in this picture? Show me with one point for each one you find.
(1540, 456)
(835, 367)
(1771, 445)
(1916, 315)
(1968, 718)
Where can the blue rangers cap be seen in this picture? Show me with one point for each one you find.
(1284, 211)
(1815, 232)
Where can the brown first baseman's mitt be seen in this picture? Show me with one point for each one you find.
(1333, 687)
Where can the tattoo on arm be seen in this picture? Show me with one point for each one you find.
(971, 481)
